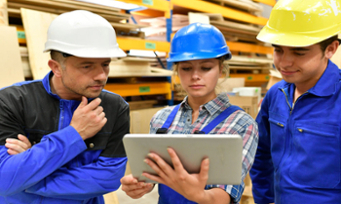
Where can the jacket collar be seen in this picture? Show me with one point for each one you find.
(325, 86)
(47, 86)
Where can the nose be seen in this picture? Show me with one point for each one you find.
(101, 74)
(195, 74)
(286, 60)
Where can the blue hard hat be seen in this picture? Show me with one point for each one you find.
(198, 41)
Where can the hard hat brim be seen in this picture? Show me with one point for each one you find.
(293, 39)
(91, 52)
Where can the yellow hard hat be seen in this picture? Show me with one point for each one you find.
(301, 23)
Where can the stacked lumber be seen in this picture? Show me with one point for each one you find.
(10, 70)
(243, 5)
(134, 67)
(35, 17)
(157, 29)
(113, 15)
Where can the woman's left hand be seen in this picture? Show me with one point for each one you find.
(191, 186)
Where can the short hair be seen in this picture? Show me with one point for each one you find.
(57, 56)
(324, 44)
(60, 57)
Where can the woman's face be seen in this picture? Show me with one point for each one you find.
(199, 78)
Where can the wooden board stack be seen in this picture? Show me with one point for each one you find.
(113, 15)
(244, 5)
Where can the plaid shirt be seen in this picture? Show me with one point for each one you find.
(237, 123)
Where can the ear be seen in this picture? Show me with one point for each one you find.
(331, 49)
(221, 70)
(55, 67)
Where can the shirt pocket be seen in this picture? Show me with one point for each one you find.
(316, 155)
(277, 137)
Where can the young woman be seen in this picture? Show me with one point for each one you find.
(198, 52)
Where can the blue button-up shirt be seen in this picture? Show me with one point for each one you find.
(298, 156)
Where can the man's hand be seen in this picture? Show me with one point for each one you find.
(16, 146)
(88, 119)
(133, 188)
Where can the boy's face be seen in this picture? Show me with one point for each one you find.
(302, 66)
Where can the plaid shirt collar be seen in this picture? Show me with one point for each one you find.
(220, 103)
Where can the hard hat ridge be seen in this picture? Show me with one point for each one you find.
(198, 41)
(83, 34)
(300, 23)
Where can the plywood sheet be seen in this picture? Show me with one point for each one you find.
(3, 12)
(10, 61)
(135, 67)
(36, 24)
(140, 119)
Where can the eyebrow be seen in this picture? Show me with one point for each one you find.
(206, 61)
(294, 48)
(89, 62)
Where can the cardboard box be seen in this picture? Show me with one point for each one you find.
(248, 103)
(227, 85)
(273, 80)
(140, 119)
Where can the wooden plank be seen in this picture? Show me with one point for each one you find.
(113, 17)
(236, 26)
(10, 61)
(3, 12)
(247, 6)
(71, 5)
(135, 68)
(36, 24)
(126, 26)
(136, 105)
(111, 198)
(89, 5)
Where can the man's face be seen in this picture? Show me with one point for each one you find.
(84, 77)
(302, 66)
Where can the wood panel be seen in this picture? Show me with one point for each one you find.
(10, 61)
(36, 24)
(3, 12)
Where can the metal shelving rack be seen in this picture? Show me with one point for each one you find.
(154, 8)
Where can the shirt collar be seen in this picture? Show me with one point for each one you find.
(47, 86)
(212, 106)
(325, 86)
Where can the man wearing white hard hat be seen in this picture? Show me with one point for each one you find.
(61, 137)
(299, 150)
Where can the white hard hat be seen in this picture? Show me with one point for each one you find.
(83, 34)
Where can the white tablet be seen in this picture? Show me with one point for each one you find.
(223, 151)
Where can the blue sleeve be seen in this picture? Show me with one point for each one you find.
(21, 171)
(82, 182)
(262, 171)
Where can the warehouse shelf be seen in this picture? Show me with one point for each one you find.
(141, 89)
(140, 44)
(230, 13)
(252, 77)
(159, 5)
(246, 47)
(268, 2)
